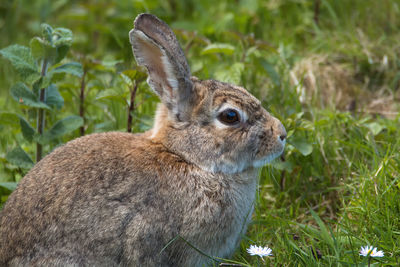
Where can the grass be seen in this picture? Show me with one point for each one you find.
(356, 206)
(334, 85)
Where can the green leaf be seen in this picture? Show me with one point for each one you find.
(11, 186)
(103, 127)
(53, 45)
(280, 165)
(302, 145)
(61, 52)
(218, 48)
(73, 68)
(111, 63)
(111, 94)
(42, 49)
(42, 82)
(20, 158)
(62, 37)
(136, 75)
(22, 60)
(270, 70)
(145, 123)
(9, 118)
(127, 80)
(47, 32)
(61, 128)
(53, 97)
(37, 50)
(27, 130)
(21, 93)
(375, 127)
(232, 74)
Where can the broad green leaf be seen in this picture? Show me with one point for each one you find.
(20, 158)
(127, 80)
(62, 37)
(53, 45)
(108, 93)
(111, 63)
(9, 118)
(61, 128)
(42, 49)
(62, 51)
(270, 70)
(37, 50)
(42, 82)
(375, 127)
(27, 130)
(253, 51)
(73, 68)
(280, 165)
(11, 186)
(137, 75)
(111, 94)
(53, 97)
(302, 145)
(218, 48)
(21, 93)
(104, 126)
(47, 32)
(22, 60)
(106, 65)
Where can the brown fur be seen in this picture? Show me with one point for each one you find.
(118, 199)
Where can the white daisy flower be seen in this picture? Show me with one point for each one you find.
(371, 251)
(259, 251)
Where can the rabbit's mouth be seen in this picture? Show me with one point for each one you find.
(258, 163)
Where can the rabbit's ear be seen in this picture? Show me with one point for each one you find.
(155, 46)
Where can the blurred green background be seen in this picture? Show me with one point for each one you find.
(329, 70)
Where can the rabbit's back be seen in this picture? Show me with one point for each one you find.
(80, 195)
(117, 198)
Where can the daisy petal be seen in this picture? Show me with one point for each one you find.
(370, 251)
(254, 250)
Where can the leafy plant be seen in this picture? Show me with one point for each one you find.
(39, 68)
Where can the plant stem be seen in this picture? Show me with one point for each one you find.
(131, 107)
(283, 175)
(317, 4)
(369, 261)
(82, 103)
(41, 113)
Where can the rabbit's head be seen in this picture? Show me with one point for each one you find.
(216, 126)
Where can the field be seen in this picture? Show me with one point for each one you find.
(329, 70)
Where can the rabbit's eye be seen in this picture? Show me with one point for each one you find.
(229, 116)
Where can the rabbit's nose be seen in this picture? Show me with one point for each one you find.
(281, 131)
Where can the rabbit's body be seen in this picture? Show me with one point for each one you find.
(138, 208)
(161, 198)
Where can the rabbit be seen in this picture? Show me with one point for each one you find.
(180, 194)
